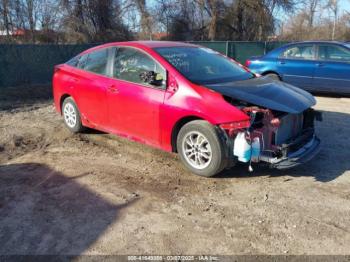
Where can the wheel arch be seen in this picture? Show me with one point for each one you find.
(62, 98)
(271, 72)
(177, 127)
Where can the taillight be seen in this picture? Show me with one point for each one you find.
(236, 125)
(247, 63)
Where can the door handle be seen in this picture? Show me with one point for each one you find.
(113, 89)
(320, 64)
(282, 62)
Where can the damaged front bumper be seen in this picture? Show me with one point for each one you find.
(298, 157)
(280, 140)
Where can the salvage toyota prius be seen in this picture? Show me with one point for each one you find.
(187, 99)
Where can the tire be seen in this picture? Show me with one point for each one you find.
(274, 76)
(196, 156)
(71, 116)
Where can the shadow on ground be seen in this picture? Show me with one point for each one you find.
(332, 161)
(44, 212)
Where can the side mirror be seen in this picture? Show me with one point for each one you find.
(152, 78)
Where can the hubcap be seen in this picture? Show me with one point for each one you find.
(197, 150)
(70, 116)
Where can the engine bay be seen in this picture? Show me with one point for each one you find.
(272, 135)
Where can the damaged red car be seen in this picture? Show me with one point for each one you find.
(190, 100)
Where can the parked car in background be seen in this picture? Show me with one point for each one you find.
(187, 99)
(314, 66)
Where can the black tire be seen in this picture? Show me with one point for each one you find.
(273, 76)
(218, 158)
(78, 126)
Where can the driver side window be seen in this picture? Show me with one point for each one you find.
(304, 52)
(130, 63)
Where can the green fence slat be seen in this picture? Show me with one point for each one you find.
(33, 64)
(240, 50)
(244, 50)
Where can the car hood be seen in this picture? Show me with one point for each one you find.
(267, 93)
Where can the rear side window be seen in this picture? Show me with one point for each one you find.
(305, 52)
(96, 62)
(82, 61)
(74, 61)
(333, 53)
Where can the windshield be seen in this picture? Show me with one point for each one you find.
(203, 66)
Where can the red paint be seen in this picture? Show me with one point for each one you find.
(141, 113)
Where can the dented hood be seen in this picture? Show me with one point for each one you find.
(267, 93)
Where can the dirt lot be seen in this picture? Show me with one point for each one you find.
(98, 194)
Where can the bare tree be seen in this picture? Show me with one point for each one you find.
(145, 19)
(30, 8)
(82, 21)
(310, 8)
(333, 6)
(6, 16)
(93, 21)
(214, 10)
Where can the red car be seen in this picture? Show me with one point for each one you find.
(187, 99)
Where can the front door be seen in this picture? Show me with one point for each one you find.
(133, 104)
(297, 65)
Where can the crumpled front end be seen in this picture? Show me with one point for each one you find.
(283, 140)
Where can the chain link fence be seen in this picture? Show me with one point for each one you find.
(33, 64)
(241, 50)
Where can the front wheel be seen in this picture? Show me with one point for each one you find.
(200, 148)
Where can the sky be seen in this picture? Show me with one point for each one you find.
(344, 5)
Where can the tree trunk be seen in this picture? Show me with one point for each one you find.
(145, 19)
(213, 20)
(5, 17)
(240, 19)
(31, 21)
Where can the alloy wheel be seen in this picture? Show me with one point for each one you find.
(197, 150)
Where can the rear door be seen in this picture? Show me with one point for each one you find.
(91, 87)
(296, 65)
(134, 106)
(332, 72)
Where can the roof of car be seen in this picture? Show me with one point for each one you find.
(155, 44)
(140, 44)
(316, 42)
(276, 51)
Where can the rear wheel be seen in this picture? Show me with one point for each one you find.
(273, 76)
(200, 148)
(71, 116)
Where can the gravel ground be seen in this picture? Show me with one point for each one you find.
(95, 193)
